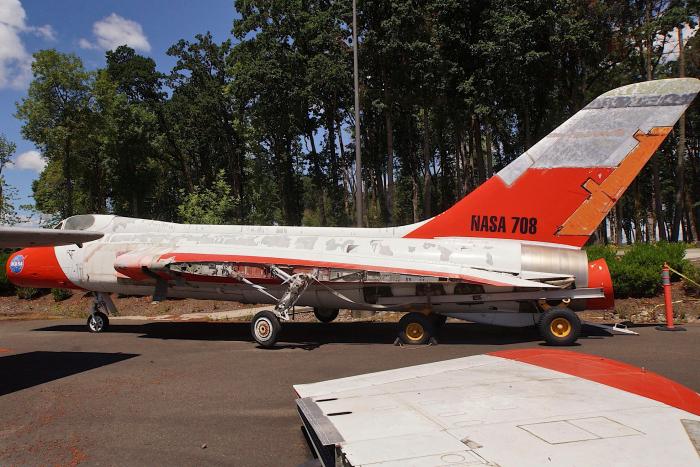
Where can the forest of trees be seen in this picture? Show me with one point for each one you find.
(259, 128)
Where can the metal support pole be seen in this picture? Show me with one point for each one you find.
(358, 155)
(666, 280)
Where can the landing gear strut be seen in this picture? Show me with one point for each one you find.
(102, 305)
(266, 325)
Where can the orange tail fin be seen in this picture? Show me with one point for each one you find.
(561, 189)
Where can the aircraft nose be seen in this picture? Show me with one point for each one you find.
(36, 267)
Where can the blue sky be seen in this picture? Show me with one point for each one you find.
(87, 28)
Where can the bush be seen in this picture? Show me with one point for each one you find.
(28, 293)
(637, 273)
(61, 294)
(693, 273)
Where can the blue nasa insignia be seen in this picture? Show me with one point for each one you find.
(17, 264)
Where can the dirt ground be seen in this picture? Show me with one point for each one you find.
(635, 310)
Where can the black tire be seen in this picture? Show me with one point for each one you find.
(438, 320)
(265, 328)
(326, 315)
(416, 329)
(97, 322)
(560, 326)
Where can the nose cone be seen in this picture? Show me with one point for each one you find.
(36, 267)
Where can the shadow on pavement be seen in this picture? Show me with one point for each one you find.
(22, 371)
(311, 335)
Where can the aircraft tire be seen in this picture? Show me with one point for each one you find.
(265, 328)
(326, 315)
(416, 329)
(438, 320)
(560, 326)
(97, 322)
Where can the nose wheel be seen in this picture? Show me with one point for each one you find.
(97, 322)
(265, 328)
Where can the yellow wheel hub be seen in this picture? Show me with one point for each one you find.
(560, 327)
(415, 331)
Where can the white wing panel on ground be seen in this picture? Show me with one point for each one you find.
(503, 410)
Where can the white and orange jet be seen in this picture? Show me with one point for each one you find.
(509, 253)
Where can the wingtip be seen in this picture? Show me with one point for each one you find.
(657, 87)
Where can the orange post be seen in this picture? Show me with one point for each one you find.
(666, 281)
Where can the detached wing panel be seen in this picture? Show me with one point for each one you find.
(529, 407)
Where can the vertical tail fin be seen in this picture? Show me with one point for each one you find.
(561, 188)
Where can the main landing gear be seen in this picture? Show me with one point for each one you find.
(418, 328)
(326, 315)
(560, 326)
(101, 307)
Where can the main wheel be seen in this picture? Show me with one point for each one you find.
(438, 320)
(265, 328)
(560, 326)
(326, 315)
(416, 328)
(97, 322)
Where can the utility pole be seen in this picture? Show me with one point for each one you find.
(358, 154)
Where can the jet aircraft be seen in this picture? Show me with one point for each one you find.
(509, 253)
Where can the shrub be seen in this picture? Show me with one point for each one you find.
(28, 293)
(693, 273)
(637, 273)
(61, 294)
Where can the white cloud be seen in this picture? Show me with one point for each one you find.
(46, 32)
(29, 160)
(113, 31)
(15, 61)
(670, 53)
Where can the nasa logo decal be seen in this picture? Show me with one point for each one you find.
(17, 264)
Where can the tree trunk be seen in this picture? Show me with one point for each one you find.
(68, 178)
(389, 155)
(680, 164)
(489, 154)
(478, 151)
(318, 181)
(414, 198)
(427, 153)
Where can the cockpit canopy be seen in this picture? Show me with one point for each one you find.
(85, 222)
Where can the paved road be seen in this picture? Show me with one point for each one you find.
(155, 393)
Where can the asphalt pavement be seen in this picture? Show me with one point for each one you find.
(192, 393)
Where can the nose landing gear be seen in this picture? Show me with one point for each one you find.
(101, 307)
